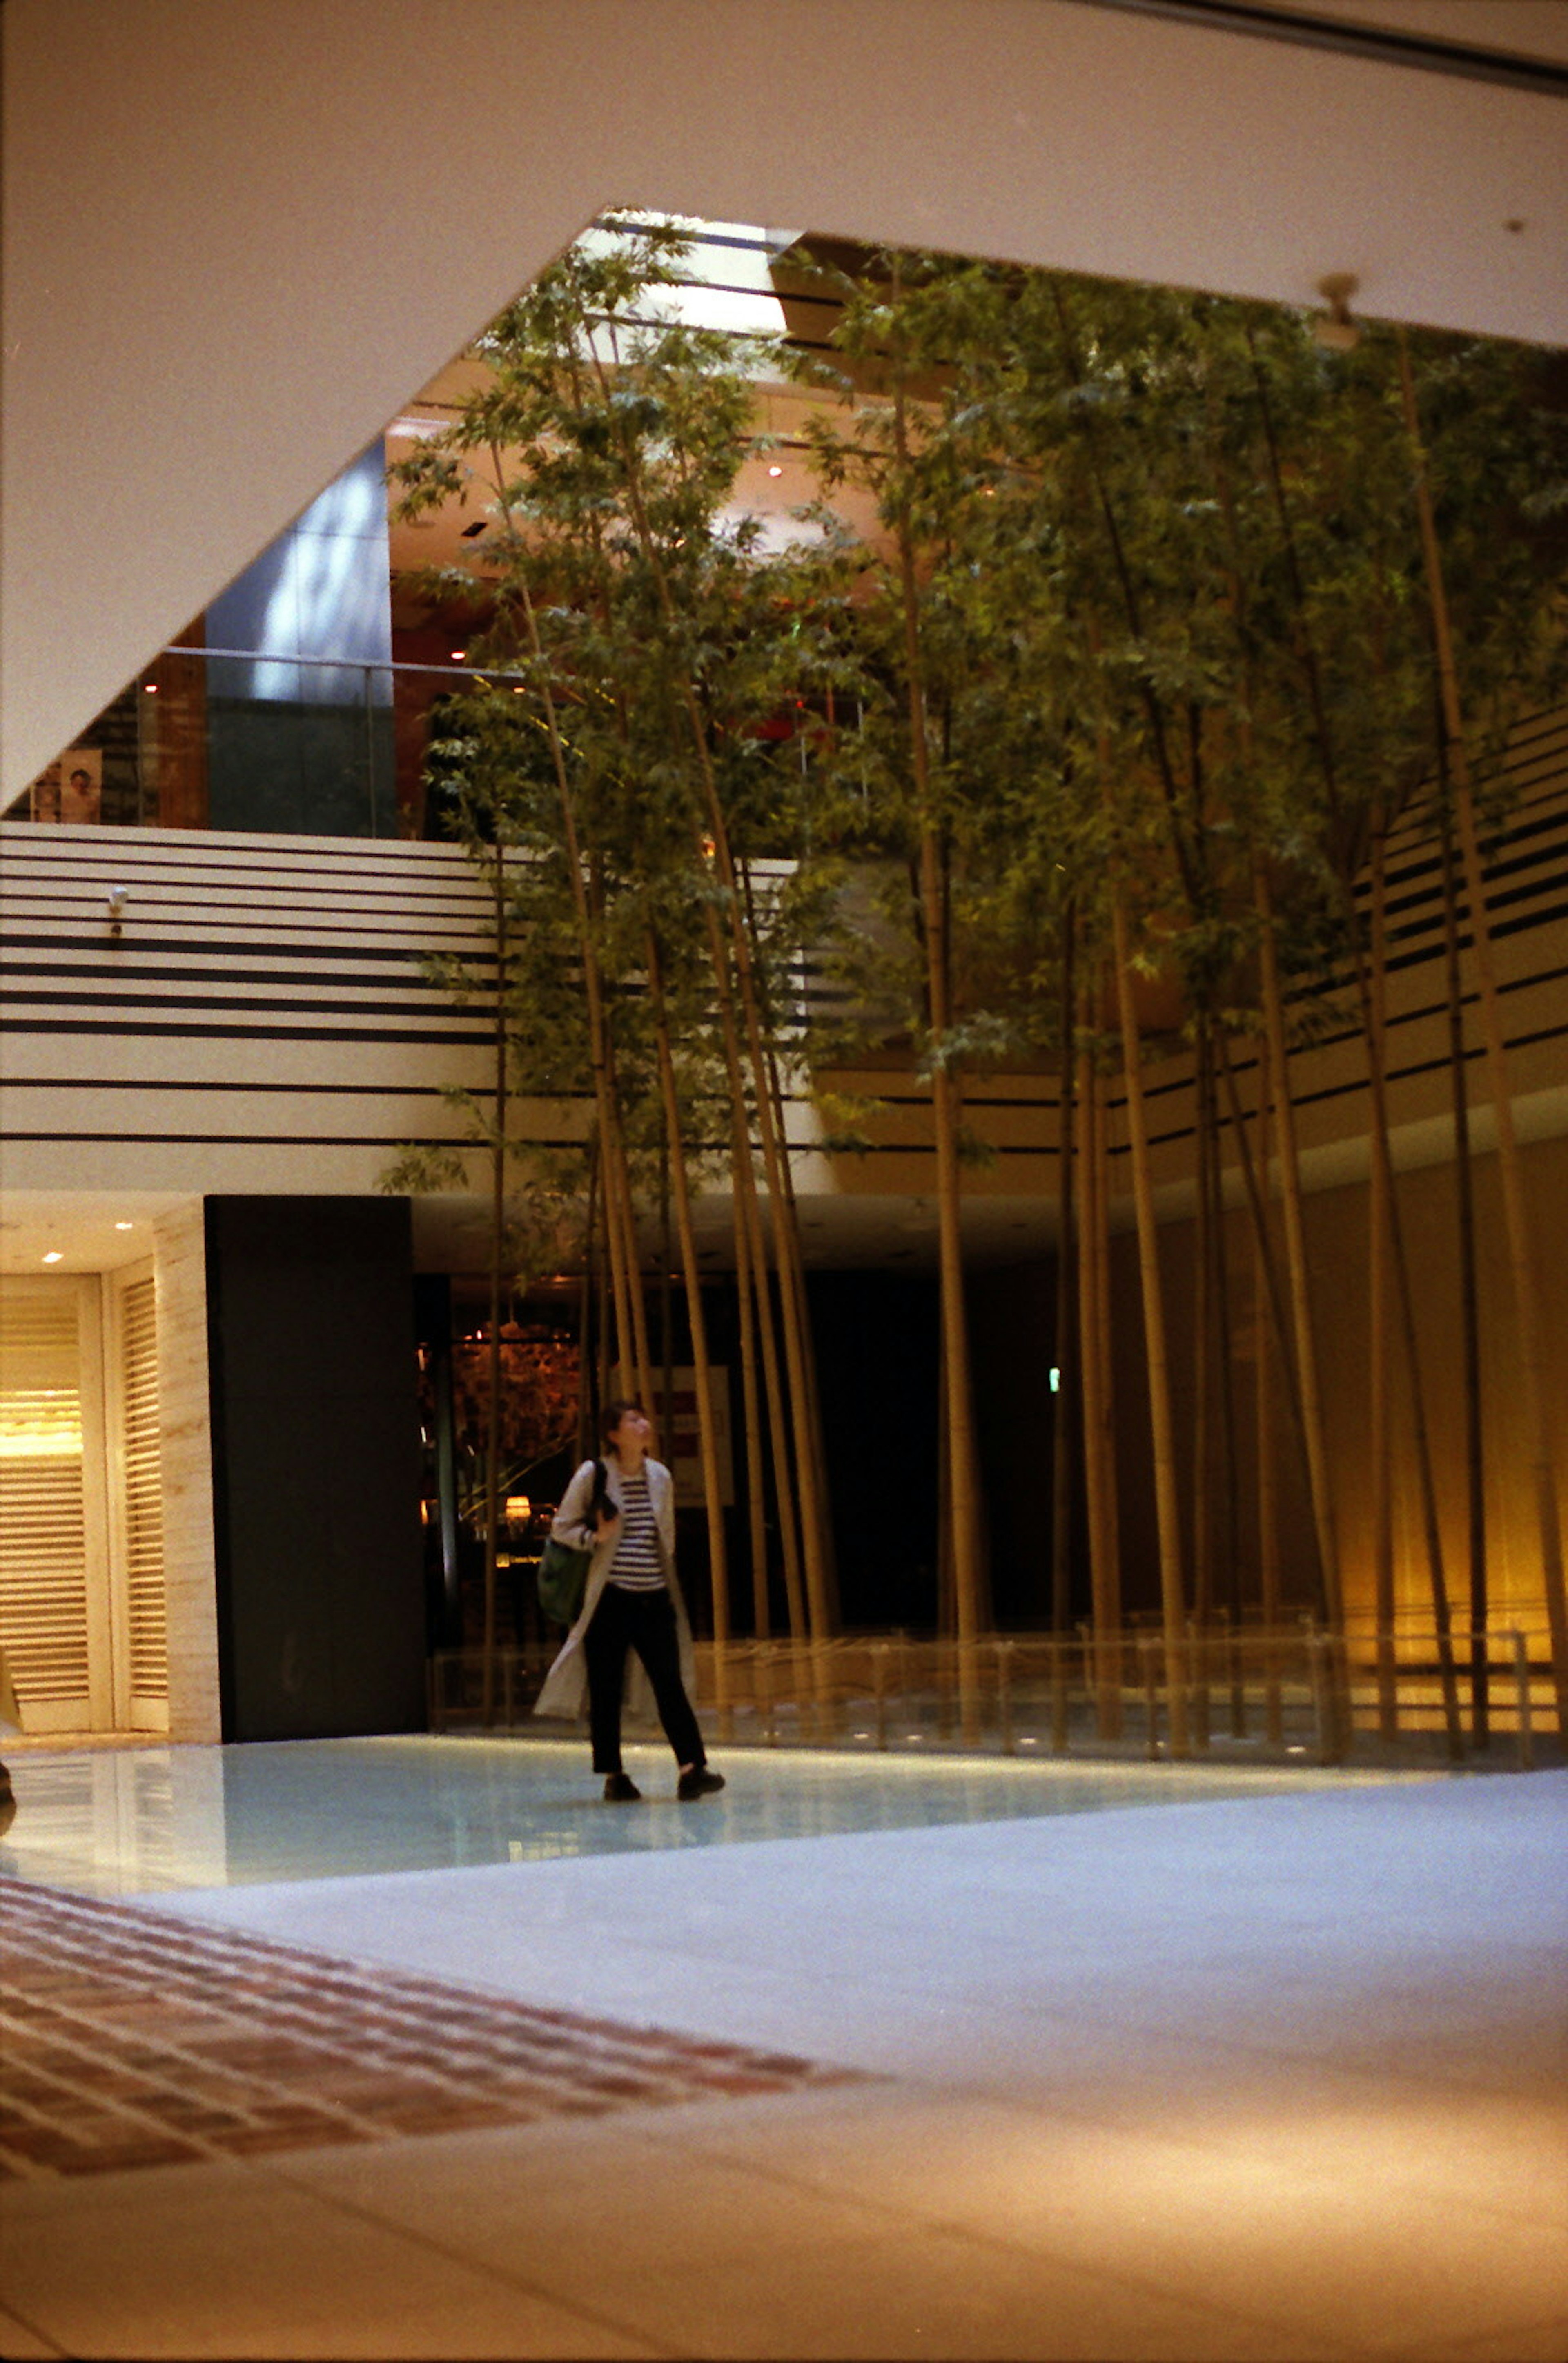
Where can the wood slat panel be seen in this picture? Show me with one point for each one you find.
(141, 1466)
(43, 1568)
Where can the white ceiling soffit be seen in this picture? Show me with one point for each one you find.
(237, 237)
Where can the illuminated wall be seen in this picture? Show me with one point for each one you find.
(299, 737)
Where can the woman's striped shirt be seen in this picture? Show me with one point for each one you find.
(637, 1565)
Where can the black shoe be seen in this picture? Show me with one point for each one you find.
(701, 1781)
(620, 1790)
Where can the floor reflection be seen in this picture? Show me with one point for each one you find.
(141, 1820)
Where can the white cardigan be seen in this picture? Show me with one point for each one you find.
(566, 1684)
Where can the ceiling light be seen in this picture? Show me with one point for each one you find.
(458, 655)
(125, 1227)
(775, 469)
(55, 1255)
(149, 688)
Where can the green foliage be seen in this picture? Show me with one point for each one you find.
(1173, 632)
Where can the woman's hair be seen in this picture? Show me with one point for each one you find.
(612, 1415)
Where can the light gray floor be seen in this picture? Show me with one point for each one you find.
(1277, 2075)
(132, 1821)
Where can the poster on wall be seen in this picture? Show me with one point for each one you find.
(81, 784)
(71, 789)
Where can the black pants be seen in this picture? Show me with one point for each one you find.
(643, 1621)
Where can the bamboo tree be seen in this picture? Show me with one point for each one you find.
(1515, 1209)
(612, 1156)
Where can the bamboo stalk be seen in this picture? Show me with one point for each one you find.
(587, 1423)
(785, 1408)
(1270, 1605)
(707, 1447)
(1380, 1212)
(1375, 1021)
(745, 1186)
(963, 1475)
(498, 1242)
(1066, 1307)
(1100, 1434)
(1229, 1567)
(1514, 1208)
(746, 1311)
(1167, 1503)
(1257, 1207)
(1470, 1311)
(1296, 1257)
(1203, 1340)
(1115, 1668)
(792, 1239)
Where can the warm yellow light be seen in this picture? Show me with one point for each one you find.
(519, 1506)
(40, 1444)
(125, 1227)
(40, 1424)
(55, 1255)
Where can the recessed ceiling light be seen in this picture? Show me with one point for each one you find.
(775, 469)
(458, 655)
(151, 688)
(125, 1227)
(55, 1255)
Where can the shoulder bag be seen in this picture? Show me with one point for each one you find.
(563, 1571)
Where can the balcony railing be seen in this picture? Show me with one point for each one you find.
(1286, 1696)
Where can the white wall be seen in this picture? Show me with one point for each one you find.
(237, 237)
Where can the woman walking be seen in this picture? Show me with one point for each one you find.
(633, 1620)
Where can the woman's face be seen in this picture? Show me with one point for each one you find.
(633, 1430)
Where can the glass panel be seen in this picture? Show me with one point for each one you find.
(221, 737)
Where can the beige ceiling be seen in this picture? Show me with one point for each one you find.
(773, 483)
(292, 212)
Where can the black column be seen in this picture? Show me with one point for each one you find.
(315, 1466)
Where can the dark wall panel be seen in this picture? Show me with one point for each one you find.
(878, 1357)
(316, 1438)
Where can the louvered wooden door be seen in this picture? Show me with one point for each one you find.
(81, 1602)
(54, 1543)
(138, 1620)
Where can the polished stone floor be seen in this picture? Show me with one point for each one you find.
(130, 1821)
(1275, 2073)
